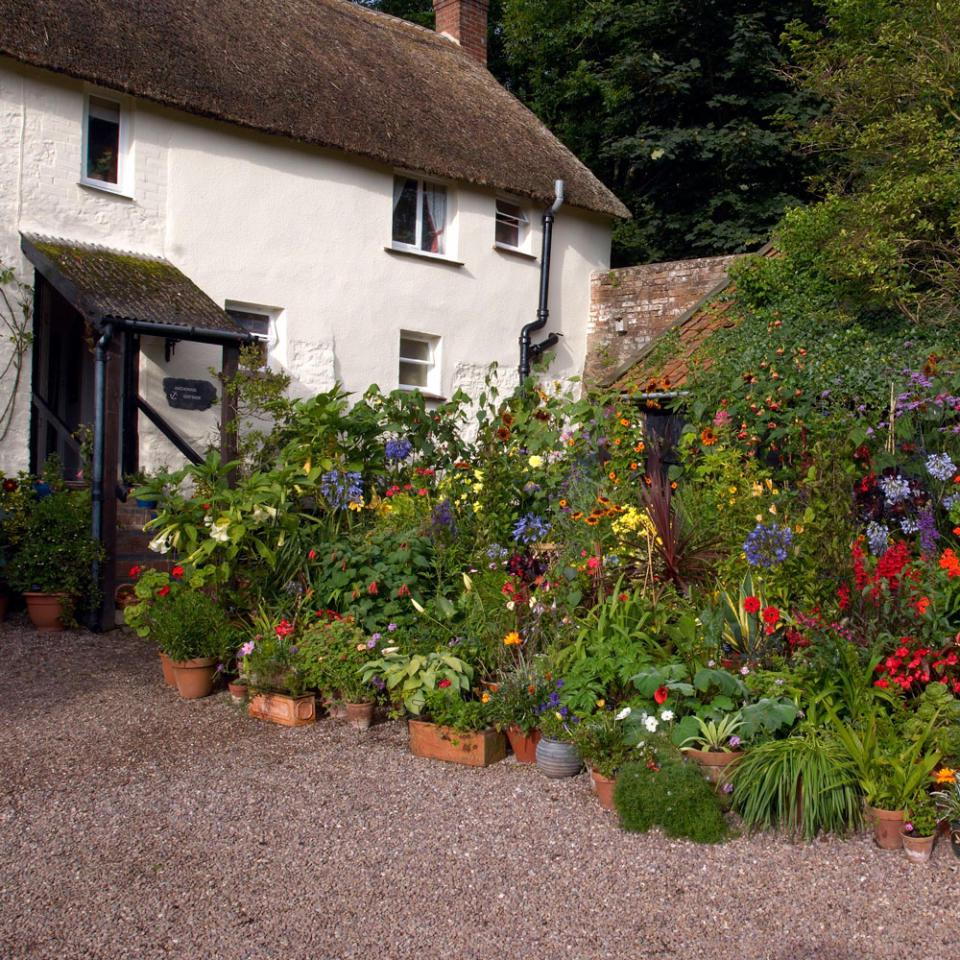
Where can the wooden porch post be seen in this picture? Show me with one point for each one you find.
(111, 477)
(229, 441)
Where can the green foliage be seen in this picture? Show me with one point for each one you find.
(886, 230)
(921, 815)
(448, 710)
(670, 104)
(601, 742)
(187, 624)
(410, 677)
(803, 783)
(518, 692)
(674, 797)
(334, 653)
(56, 551)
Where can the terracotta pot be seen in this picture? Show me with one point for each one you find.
(478, 749)
(955, 837)
(716, 766)
(238, 691)
(917, 849)
(557, 758)
(47, 609)
(285, 710)
(887, 826)
(360, 714)
(603, 787)
(195, 677)
(166, 665)
(524, 746)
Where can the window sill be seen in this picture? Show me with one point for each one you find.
(103, 187)
(515, 252)
(421, 255)
(426, 394)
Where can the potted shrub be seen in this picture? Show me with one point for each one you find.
(274, 667)
(513, 707)
(334, 653)
(195, 632)
(602, 744)
(920, 828)
(948, 805)
(458, 731)
(715, 748)
(52, 565)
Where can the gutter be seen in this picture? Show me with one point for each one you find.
(527, 349)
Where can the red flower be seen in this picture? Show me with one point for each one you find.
(164, 590)
(177, 571)
(204, 506)
(751, 604)
(661, 694)
(312, 555)
(136, 571)
(771, 615)
(404, 591)
(373, 589)
(443, 684)
(9, 485)
(284, 628)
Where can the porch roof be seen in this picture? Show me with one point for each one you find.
(132, 288)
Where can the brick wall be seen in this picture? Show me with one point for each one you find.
(466, 22)
(631, 306)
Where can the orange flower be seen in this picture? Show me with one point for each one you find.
(485, 698)
(603, 500)
(945, 775)
(639, 448)
(593, 521)
(707, 437)
(612, 475)
(494, 687)
(503, 433)
(624, 422)
(507, 418)
(531, 689)
(576, 515)
(563, 503)
(512, 639)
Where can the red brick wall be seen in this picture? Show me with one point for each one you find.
(466, 22)
(631, 306)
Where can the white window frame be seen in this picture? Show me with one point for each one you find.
(523, 225)
(124, 184)
(271, 338)
(448, 233)
(432, 363)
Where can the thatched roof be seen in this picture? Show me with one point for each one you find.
(102, 283)
(323, 72)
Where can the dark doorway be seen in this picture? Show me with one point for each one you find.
(63, 390)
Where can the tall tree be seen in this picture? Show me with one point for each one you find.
(671, 103)
(417, 11)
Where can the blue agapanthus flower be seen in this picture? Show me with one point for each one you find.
(895, 489)
(941, 467)
(530, 528)
(397, 450)
(766, 546)
(340, 490)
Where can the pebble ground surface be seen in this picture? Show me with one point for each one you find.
(134, 824)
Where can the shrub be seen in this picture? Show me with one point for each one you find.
(674, 797)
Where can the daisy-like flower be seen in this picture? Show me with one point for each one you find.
(666, 716)
(651, 723)
(623, 714)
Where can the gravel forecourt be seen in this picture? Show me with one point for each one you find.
(138, 825)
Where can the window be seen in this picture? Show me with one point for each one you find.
(106, 150)
(512, 225)
(419, 215)
(420, 362)
(260, 324)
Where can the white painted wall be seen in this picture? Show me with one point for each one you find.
(265, 221)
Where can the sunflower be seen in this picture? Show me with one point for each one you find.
(707, 437)
(592, 520)
(603, 500)
(576, 515)
(503, 434)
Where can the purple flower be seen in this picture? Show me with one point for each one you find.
(734, 741)
(391, 627)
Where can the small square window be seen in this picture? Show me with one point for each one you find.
(419, 215)
(106, 151)
(260, 325)
(512, 225)
(419, 362)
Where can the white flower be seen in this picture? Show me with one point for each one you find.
(389, 649)
(159, 544)
(666, 716)
(220, 531)
(535, 461)
(651, 723)
(510, 604)
(623, 714)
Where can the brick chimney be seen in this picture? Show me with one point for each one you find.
(464, 21)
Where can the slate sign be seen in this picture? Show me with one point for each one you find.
(189, 394)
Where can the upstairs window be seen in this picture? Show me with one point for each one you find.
(420, 362)
(260, 324)
(512, 226)
(105, 145)
(419, 215)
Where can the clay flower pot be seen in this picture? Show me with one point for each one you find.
(917, 849)
(195, 677)
(524, 746)
(238, 691)
(887, 827)
(603, 787)
(716, 765)
(166, 665)
(47, 609)
(360, 715)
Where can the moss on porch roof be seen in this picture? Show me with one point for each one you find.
(103, 283)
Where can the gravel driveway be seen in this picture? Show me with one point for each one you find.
(134, 824)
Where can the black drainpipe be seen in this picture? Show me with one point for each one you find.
(99, 414)
(528, 350)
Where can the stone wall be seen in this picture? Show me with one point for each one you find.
(631, 306)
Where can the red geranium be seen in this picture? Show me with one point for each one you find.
(771, 615)
(751, 604)
(443, 684)
(177, 571)
(164, 590)
(136, 571)
(661, 694)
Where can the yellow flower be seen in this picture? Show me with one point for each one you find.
(535, 461)
(945, 775)
(512, 638)
(601, 703)
(485, 698)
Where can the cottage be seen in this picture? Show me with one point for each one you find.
(356, 192)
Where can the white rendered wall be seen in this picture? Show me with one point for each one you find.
(263, 221)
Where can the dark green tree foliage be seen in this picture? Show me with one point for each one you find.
(417, 11)
(887, 227)
(671, 104)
